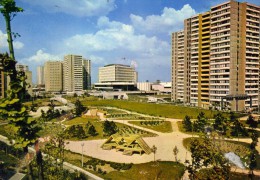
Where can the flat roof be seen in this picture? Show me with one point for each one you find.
(116, 65)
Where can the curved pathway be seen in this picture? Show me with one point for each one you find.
(165, 142)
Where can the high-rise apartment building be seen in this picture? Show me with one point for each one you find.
(87, 73)
(221, 57)
(40, 75)
(53, 76)
(3, 83)
(178, 66)
(28, 74)
(76, 73)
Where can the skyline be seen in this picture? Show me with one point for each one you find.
(106, 32)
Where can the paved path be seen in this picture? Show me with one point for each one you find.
(165, 142)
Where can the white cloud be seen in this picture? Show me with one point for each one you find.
(170, 20)
(40, 57)
(76, 7)
(115, 37)
(4, 44)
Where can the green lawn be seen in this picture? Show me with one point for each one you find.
(146, 171)
(164, 127)
(150, 171)
(80, 120)
(163, 110)
(99, 128)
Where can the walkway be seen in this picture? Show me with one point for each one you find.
(165, 142)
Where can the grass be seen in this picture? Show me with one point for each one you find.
(99, 128)
(150, 171)
(240, 148)
(161, 170)
(182, 129)
(80, 120)
(163, 110)
(206, 173)
(164, 127)
(229, 135)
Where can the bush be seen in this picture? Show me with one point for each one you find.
(100, 171)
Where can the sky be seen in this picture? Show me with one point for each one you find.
(131, 32)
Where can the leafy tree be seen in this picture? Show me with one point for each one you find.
(76, 131)
(11, 107)
(199, 124)
(55, 149)
(109, 128)
(251, 122)
(220, 123)
(187, 124)
(92, 130)
(253, 154)
(80, 133)
(232, 116)
(239, 129)
(205, 154)
(79, 108)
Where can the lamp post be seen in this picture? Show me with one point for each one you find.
(82, 144)
(154, 149)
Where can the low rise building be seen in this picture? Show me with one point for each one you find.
(117, 77)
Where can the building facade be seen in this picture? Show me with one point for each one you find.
(3, 83)
(40, 75)
(53, 76)
(87, 73)
(117, 76)
(76, 73)
(221, 58)
(117, 73)
(28, 74)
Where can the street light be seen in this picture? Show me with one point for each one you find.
(82, 144)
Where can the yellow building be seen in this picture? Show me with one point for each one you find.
(221, 58)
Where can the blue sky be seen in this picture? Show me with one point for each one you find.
(104, 31)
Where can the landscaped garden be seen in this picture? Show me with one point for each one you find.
(159, 125)
(163, 110)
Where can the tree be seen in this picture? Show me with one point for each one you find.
(205, 154)
(199, 124)
(80, 133)
(109, 128)
(55, 149)
(187, 124)
(92, 130)
(220, 123)
(253, 154)
(239, 129)
(232, 116)
(79, 108)
(251, 122)
(11, 107)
